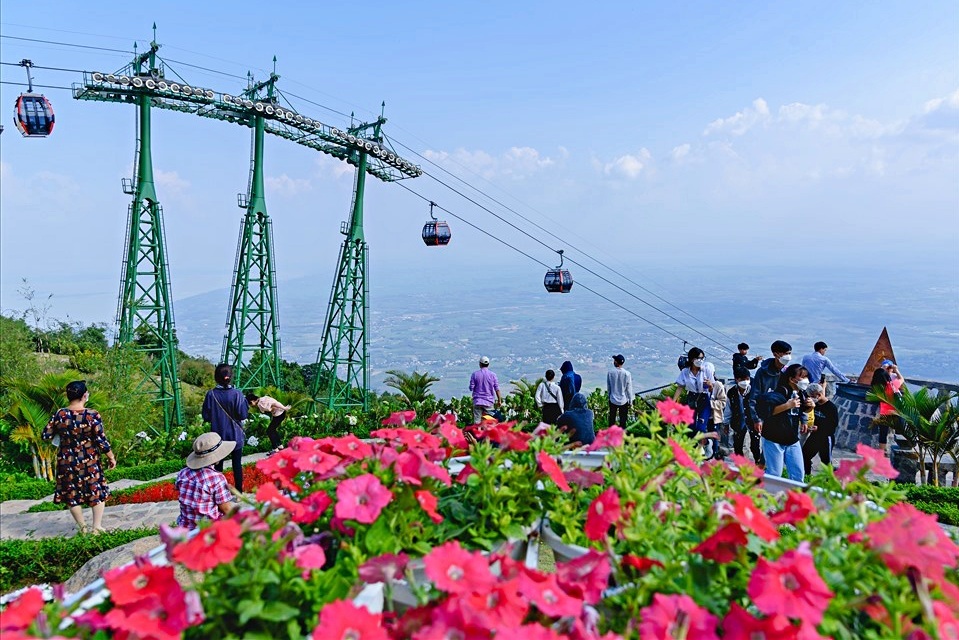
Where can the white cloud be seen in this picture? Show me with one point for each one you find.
(678, 154)
(951, 101)
(286, 186)
(334, 167)
(628, 166)
(516, 162)
(170, 182)
(741, 121)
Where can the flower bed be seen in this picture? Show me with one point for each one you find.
(668, 547)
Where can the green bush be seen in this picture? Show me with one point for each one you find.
(144, 471)
(948, 513)
(54, 560)
(13, 488)
(929, 493)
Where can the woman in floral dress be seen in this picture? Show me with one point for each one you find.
(80, 481)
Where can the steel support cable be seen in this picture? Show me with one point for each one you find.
(568, 244)
(66, 44)
(540, 262)
(587, 269)
(196, 66)
(39, 86)
(37, 66)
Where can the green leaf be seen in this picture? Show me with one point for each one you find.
(278, 612)
(249, 609)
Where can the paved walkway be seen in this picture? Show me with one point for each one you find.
(15, 523)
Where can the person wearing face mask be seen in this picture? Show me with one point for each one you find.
(766, 378)
(697, 380)
(782, 411)
(822, 433)
(742, 418)
(889, 380)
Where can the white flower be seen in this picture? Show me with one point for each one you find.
(143, 436)
(351, 420)
(182, 436)
(253, 441)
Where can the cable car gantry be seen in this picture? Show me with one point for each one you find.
(251, 343)
(33, 113)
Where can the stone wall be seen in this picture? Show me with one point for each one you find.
(855, 417)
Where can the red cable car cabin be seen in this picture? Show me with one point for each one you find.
(33, 115)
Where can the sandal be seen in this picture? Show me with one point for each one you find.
(98, 531)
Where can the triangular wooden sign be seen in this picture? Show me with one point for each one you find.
(882, 351)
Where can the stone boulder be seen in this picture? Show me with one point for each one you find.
(109, 559)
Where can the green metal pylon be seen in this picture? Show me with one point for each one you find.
(145, 312)
(252, 342)
(343, 373)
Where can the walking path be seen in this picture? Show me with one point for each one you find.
(16, 523)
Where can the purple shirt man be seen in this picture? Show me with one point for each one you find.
(485, 389)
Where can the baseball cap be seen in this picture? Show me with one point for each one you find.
(619, 359)
(887, 363)
(484, 360)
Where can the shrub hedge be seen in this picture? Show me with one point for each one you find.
(19, 487)
(943, 501)
(54, 560)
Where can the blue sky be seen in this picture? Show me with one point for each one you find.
(648, 133)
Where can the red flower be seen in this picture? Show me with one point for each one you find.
(269, 494)
(608, 438)
(134, 583)
(739, 624)
(548, 466)
(790, 586)
(752, 519)
(418, 439)
(583, 478)
(282, 468)
(746, 467)
(316, 461)
(799, 506)
(907, 537)
(400, 418)
(412, 466)
(467, 471)
(214, 545)
(641, 564)
(683, 457)
(723, 546)
(872, 460)
(502, 607)
(309, 557)
(20, 613)
(603, 513)
(349, 446)
(544, 591)
(454, 435)
(946, 622)
(343, 620)
(456, 570)
(384, 568)
(529, 632)
(428, 501)
(312, 507)
(508, 438)
(361, 499)
(673, 412)
(676, 616)
(586, 576)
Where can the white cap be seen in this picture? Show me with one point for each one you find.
(484, 360)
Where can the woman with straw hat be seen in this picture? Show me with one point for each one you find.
(204, 492)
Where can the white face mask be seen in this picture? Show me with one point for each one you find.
(743, 384)
(784, 360)
(698, 362)
(802, 384)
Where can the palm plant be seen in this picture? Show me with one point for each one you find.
(414, 387)
(929, 423)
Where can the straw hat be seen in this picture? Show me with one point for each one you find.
(209, 449)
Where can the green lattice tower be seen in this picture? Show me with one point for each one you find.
(252, 343)
(343, 373)
(145, 313)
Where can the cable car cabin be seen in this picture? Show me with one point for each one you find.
(33, 115)
(436, 233)
(558, 281)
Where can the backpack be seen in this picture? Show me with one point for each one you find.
(682, 362)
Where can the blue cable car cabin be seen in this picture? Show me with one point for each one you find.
(558, 281)
(33, 115)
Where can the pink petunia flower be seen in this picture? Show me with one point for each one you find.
(872, 460)
(723, 546)
(799, 506)
(752, 519)
(583, 478)
(603, 513)
(21, 613)
(585, 577)
(453, 435)
(683, 458)
(343, 620)
(309, 557)
(312, 507)
(384, 568)
(673, 412)
(400, 418)
(455, 570)
(790, 586)
(361, 499)
(544, 591)
(907, 537)
(548, 466)
(676, 616)
(429, 503)
(608, 439)
(214, 545)
(269, 494)
(739, 624)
